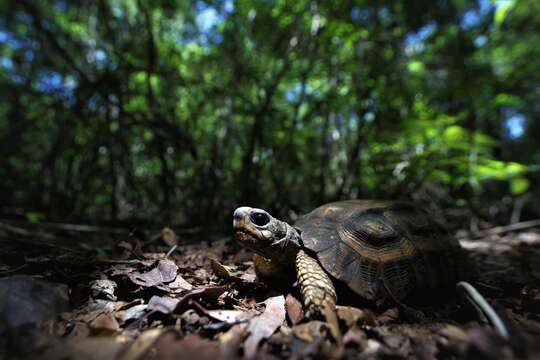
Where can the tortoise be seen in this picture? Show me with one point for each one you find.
(381, 250)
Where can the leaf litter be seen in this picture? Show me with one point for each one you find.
(173, 300)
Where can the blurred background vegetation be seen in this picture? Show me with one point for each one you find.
(171, 111)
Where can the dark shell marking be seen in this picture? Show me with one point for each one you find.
(362, 242)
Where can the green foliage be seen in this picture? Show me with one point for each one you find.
(450, 153)
(183, 110)
(519, 185)
(34, 216)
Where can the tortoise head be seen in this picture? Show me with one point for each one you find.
(257, 230)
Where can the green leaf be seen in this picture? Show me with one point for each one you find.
(34, 216)
(415, 66)
(506, 100)
(100, 253)
(502, 10)
(514, 168)
(455, 134)
(519, 185)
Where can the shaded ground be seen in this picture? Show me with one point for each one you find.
(67, 293)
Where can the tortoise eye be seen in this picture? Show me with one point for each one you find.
(259, 218)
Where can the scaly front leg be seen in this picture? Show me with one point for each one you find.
(318, 292)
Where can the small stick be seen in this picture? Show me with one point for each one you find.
(171, 251)
(119, 261)
(71, 227)
(483, 307)
(504, 229)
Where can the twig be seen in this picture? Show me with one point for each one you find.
(36, 238)
(482, 307)
(119, 261)
(504, 229)
(24, 232)
(171, 251)
(13, 270)
(71, 227)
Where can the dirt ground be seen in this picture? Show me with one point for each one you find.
(77, 293)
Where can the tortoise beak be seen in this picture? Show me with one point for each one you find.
(244, 233)
(239, 217)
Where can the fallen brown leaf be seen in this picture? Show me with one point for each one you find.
(227, 273)
(355, 338)
(229, 316)
(210, 293)
(92, 310)
(485, 343)
(105, 321)
(311, 331)
(131, 313)
(264, 325)
(330, 314)
(92, 348)
(144, 341)
(220, 270)
(230, 341)
(190, 347)
(389, 316)
(452, 332)
(294, 309)
(164, 272)
(163, 304)
(351, 316)
(178, 285)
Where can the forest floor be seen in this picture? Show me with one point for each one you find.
(70, 293)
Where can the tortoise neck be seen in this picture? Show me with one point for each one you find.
(287, 246)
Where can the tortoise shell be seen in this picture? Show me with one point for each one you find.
(373, 246)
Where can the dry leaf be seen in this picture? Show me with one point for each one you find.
(294, 309)
(168, 346)
(220, 270)
(389, 316)
(163, 304)
(356, 338)
(310, 331)
(92, 348)
(227, 273)
(143, 342)
(485, 343)
(264, 325)
(229, 342)
(229, 316)
(351, 316)
(164, 272)
(105, 321)
(330, 314)
(454, 333)
(131, 313)
(372, 347)
(178, 285)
